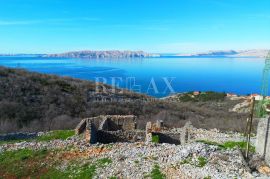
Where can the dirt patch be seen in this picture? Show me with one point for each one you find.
(7, 175)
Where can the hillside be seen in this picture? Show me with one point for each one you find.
(37, 102)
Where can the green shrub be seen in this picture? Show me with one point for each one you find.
(156, 173)
(103, 162)
(211, 96)
(203, 97)
(201, 162)
(155, 139)
(113, 177)
(242, 145)
(186, 161)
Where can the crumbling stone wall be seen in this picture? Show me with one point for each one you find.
(106, 137)
(126, 123)
(148, 132)
(91, 133)
(185, 134)
(157, 129)
(80, 128)
(117, 128)
(106, 129)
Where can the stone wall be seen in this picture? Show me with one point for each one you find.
(117, 128)
(186, 132)
(112, 122)
(106, 137)
(180, 137)
(263, 139)
(109, 128)
(126, 123)
(80, 128)
(91, 135)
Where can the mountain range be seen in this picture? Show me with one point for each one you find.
(89, 54)
(101, 54)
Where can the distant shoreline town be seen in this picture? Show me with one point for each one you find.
(88, 54)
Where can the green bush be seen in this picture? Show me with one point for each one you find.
(241, 145)
(156, 173)
(103, 162)
(155, 139)
(211, 96)
(204, 96)
(201, 162)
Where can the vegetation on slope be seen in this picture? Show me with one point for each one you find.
(26, 163)
(59, 134)
(204, 96)
(230, 145)
(156, 173)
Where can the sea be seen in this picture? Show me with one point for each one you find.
(158, 77)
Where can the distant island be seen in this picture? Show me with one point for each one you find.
(259, 53)
(102, 54)
(117, 54)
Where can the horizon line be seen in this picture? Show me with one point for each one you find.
(67, 51)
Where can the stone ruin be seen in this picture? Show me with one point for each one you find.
(110, 128)
(165, 136)
(118, 128)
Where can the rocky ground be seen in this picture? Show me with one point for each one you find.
(193, 160)
(129, 160)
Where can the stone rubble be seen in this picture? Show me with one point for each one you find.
(136, 160)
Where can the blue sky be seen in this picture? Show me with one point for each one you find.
(180, 26)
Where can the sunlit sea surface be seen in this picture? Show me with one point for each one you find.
(150, 75)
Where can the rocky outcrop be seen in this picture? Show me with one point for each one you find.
(101, 54)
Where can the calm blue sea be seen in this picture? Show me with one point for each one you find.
(149, 75)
